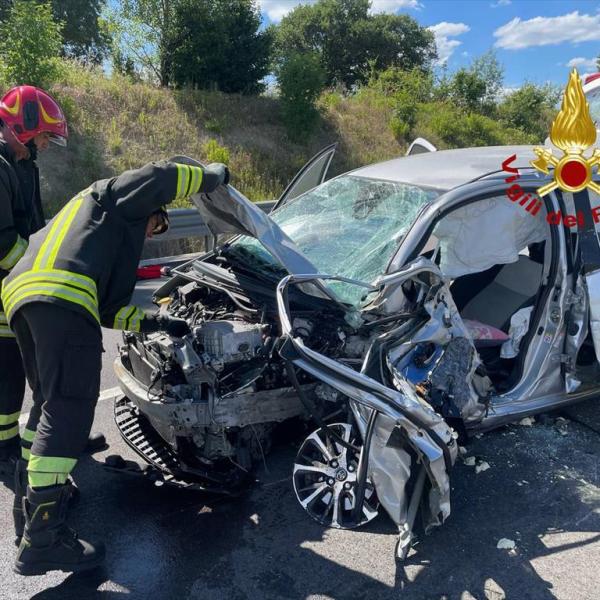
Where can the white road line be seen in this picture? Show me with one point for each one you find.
(110, 394)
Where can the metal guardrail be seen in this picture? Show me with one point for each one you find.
(187, 223)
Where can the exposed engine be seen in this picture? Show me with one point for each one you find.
(216, 395)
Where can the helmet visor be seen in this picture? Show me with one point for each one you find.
(58, 140)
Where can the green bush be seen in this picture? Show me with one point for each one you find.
(531, 108)
(301, 79)
(216, 153)
(30, 45)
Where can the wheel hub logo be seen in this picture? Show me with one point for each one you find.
(573, 132)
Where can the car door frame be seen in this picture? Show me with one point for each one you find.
(528, 395)
(324, 156)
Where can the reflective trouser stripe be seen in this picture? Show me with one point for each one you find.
(10, 419)
(5, 331)
(28, 435)
(26, 442)
(14, 254)
(49, 470)
(73, 287)
(129, 318)
(7, 434)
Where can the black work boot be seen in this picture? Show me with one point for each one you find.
(48, 544)
(20, 492)
(10, 452)
(21, 478)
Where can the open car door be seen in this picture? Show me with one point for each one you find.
(311, 175)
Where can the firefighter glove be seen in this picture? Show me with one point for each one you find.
(215, 174)
(173, 326)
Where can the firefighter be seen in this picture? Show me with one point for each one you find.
(77, 274)
(29, 119)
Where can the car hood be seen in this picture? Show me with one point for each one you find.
(226, 210)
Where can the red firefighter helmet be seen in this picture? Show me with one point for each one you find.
(29, 111)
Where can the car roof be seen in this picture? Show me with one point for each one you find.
(447, 169)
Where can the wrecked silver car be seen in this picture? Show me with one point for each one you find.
(400, 306)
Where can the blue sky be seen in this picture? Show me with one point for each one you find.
(536, 41)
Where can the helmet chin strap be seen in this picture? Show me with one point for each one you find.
(32, 148)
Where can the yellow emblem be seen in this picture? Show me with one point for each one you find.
(573, 131)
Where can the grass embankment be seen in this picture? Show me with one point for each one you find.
(116, 125)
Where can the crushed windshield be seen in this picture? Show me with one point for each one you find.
(349, 226)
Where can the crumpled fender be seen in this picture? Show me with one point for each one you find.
(404, 420)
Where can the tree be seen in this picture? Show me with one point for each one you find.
(476, 87)
(142, 32)
(531, 108)
(217, 44)
(348, 39)
(301, 78)
(82, 34)
(30, 45)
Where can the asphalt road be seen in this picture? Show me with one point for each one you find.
(542, 491)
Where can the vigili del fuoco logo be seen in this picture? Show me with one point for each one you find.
(573, 131)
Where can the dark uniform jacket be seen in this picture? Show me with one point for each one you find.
(86, 258)
(14, 223)
(29, 181)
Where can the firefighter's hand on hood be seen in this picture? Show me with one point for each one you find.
(215, 174)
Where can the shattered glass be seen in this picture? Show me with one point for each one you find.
(349, 226)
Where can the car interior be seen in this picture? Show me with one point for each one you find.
(495, 283)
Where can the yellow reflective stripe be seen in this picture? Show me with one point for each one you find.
(136, 320)
(63, 231)
(53, 290)
(45, 479)
(8, 434)
(51, 464)
(8, 419)
(28, 435)
(82, 282)
(182, 178)
(5, 332)
(14, 254)
(46, 247)
(3, 319)
(122, 316)
(25, 453)
(57, 232)
(198, 174)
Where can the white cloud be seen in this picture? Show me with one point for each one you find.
(579, 61)
(277, 9)
(546, 31)
(443, 32)
(392, 6)
(500, 3)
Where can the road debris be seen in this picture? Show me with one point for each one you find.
(527, 422)
(470, 461)
(482, 466)
(506, 544)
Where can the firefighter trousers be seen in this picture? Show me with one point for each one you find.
(62, 356)
(12, 389)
